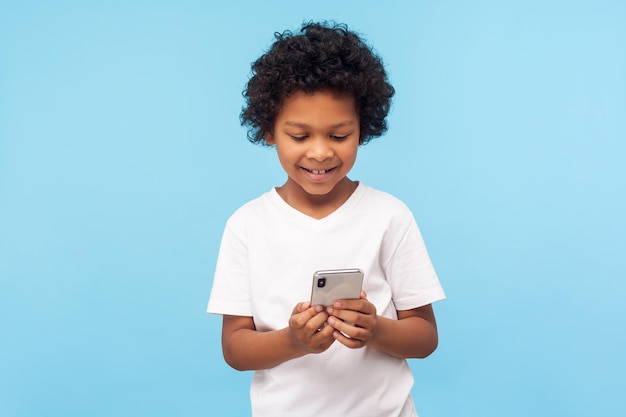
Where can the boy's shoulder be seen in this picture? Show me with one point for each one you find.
(382, 200)
(254, 206)
(253, 213)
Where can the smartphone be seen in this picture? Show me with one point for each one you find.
(336, 284)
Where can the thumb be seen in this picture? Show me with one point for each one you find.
(300, 307)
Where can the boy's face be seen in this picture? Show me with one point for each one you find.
(317, 138)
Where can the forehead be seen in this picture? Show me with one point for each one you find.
(320, 106)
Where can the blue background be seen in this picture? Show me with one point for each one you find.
(121, 157)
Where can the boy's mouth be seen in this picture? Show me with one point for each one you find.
(318, 171)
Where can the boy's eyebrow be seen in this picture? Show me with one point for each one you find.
(336, 125)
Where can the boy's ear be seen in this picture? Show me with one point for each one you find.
(269, 138)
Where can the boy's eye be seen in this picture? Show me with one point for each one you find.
(298, 138)
(339, 137)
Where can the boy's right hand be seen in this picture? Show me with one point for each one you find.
(307, 328)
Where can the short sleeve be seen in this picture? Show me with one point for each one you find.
(231, 285)
(411, 275)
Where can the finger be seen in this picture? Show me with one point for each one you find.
(325, 331)
(350, 329)
(300, 307)
(320, 334)
(339, 325)
(350, 342)
(316, 322)
(361, 305)
(348, 316)
(363, 295)
(301, 319)
(323, 339)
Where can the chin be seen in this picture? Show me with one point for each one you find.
(319, 191)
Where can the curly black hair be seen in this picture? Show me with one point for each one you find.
(322, 56)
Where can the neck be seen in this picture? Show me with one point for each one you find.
(317, 206)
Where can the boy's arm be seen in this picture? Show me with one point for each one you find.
(412, 335)
(245, 348)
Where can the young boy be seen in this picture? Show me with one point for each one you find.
(317, 96)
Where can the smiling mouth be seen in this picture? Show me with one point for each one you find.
(318, 171)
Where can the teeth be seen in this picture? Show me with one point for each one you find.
(320, 171)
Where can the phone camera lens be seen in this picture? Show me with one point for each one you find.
(321, 282)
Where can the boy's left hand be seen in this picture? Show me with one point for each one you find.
(355, 321)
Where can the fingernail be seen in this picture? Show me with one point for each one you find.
(337, 304)
(331, 321)
(329, 310)
(319, 309)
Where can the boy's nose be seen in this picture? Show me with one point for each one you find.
(319, 150)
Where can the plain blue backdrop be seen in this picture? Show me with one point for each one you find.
(121, 157)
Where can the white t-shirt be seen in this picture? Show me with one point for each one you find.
(265, 266)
